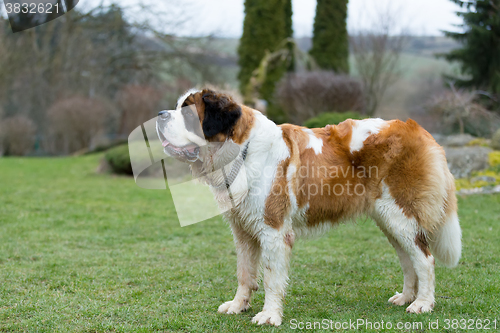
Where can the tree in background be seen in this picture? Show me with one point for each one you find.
(287, 56)
(75, 124)
(330, 42)
(267, 23)
(376, 52)
(288, 18)
(97, 53)
(480, 55)
(138, 104)
(459, 110)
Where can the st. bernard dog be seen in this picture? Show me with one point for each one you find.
(303, 181)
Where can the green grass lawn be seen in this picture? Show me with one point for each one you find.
(84, 252)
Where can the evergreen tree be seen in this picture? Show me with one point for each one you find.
(479, 56)
(330, 42)
(288, 18)
(267, 23)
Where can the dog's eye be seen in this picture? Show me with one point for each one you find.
(187, 113)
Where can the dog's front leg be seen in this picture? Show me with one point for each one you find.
(248, 255)
(276, 248)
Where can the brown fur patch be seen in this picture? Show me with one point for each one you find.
(241, 130)
(244, 125)
(196, 101)
(278, 201)
(421, 242)
(326, 182)
(402, 154)
(290, 239)
(408, 157)
(451, 199)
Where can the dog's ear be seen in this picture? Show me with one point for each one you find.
(221, 113)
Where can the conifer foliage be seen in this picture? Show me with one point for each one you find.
(267, 23)
(479, 56)
(330, 43)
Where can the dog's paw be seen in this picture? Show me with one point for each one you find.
(267, 317)
(234, 307)
(401, 299)
(420, 306)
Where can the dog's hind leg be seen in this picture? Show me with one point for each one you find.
(248, 255)
(411, 239)
(423, 262)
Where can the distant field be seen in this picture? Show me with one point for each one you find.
(418, 56)
(415, 66)
(86, 252)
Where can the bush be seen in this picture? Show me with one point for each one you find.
(75, 122)
(306, 95)
(107, 146)
(331, 118)
(459, 112)
(481, 142)
(17, 135)
(494, 158)
(495, 140)
(118, 159)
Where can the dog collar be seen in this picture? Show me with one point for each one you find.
(235, 169)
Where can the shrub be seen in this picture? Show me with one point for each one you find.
(118, 159)
(107, 146)
(17, 135)
(331, 118)
(306, 95)
(75, 122)
(494, 158)
(459, 112)
(481, 142)
(495, 140)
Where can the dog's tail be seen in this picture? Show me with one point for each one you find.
(446, 242)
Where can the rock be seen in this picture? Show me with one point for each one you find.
(459, 140)
(487, 179)
(480, 190)
(440, 138)
(464, 160)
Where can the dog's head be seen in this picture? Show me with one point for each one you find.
(200, 117)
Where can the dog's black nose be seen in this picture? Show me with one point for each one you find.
(164, 115)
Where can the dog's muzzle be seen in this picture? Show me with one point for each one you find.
(189, 152)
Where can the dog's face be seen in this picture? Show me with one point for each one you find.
(200, 117)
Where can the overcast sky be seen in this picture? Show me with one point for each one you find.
(225, 17)
(422, 17)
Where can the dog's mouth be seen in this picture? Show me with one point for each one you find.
(189, 152)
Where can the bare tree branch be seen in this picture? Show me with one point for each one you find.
(377, 54)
